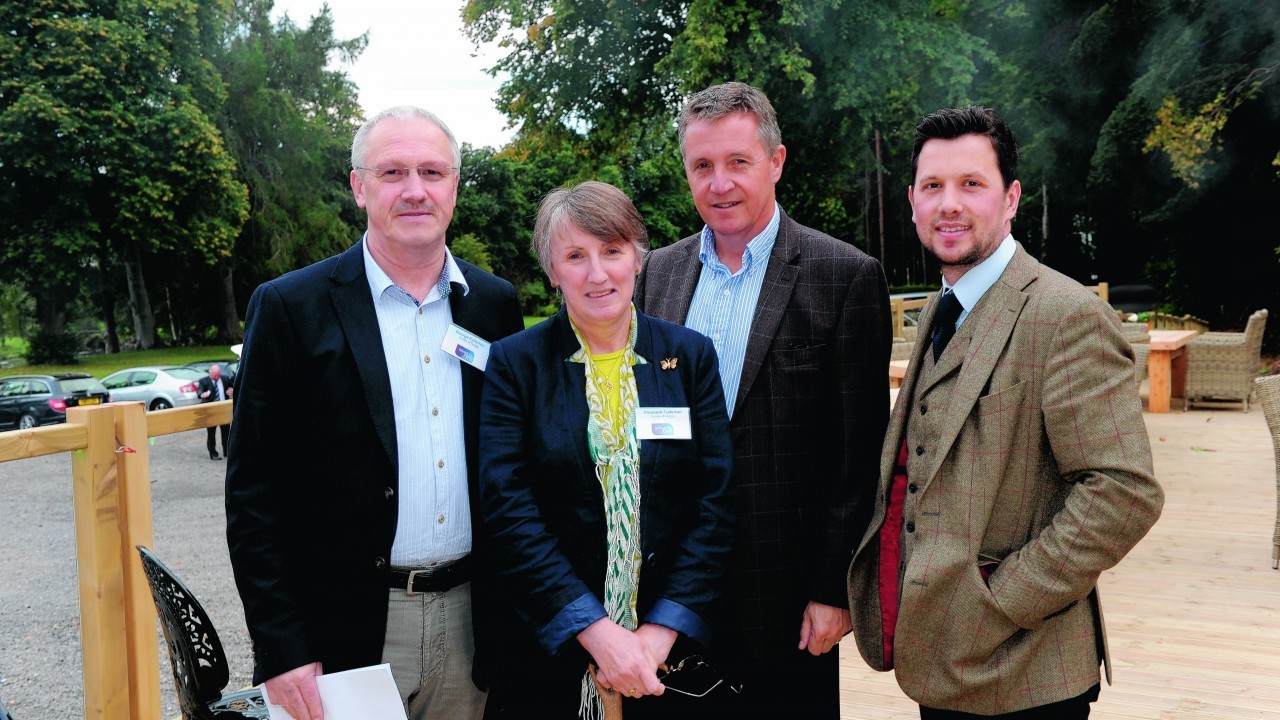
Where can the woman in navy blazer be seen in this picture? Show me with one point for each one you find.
(544, 497)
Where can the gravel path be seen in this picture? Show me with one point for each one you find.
(40, 654)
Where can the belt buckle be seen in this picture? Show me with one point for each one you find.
(408, 589)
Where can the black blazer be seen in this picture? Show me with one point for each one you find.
(812, 407)
(544, 506)
(206, 383)
(312, 476)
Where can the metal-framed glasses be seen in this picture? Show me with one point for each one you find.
(692, 676)
(426, 173)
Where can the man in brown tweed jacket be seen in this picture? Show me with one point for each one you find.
(1016, 467)
(800, 323)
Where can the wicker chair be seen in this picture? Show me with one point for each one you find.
(1141, 351)
(1223, 366)
(1136, 333)
(1269, 395)
(901, 349)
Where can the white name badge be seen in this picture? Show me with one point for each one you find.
(467, 346)
(658, 423)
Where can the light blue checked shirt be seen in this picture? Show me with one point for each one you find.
(724, 303)
(426, 389)
(975, 283)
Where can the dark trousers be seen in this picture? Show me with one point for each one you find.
(213, 447)
(1075, 708)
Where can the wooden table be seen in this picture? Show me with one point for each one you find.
(1167, 367)
(897, 371)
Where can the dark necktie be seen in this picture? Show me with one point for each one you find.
(944, 322)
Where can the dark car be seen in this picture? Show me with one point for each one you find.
(28, 401)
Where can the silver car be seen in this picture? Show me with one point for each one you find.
(159, 387)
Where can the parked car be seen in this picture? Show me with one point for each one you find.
(229, 367)
(158, 387)
(28, 401)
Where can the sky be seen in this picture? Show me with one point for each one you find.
(417, 55)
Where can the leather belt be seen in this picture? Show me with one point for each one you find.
(440, 578)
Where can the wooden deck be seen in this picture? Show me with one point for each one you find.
(1193, 613)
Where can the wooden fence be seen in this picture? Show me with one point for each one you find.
(110, 469)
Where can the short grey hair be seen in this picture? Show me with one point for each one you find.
(360, 143)
(597, 209)
(720, 101)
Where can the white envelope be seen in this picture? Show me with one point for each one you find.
(368, 693)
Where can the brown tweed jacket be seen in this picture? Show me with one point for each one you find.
(810, 416)
(1027, 448)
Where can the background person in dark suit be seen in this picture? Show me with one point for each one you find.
(800, 322)
(610, 542)
(352, 476)
(212, 388)
(1016, 467)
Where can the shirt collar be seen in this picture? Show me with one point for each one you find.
(758, 249)
(975, 283)
(379, 281)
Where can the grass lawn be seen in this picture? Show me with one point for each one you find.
(101, 366)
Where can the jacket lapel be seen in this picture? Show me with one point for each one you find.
(653, 389)
(573, 412)
(673, 302)
(353, 303)
(779, 283)
(985, 334)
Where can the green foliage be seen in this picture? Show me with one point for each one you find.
(472, 249)
(52, 348)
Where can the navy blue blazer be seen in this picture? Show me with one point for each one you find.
(544, 507)
(312, 479)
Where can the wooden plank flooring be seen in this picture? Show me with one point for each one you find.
(1193, 613)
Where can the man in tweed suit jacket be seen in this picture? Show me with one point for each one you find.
(800, 323)
(1016, 467)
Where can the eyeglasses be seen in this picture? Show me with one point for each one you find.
(426, 173)
(692, 676)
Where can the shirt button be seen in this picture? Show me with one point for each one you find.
(911, 527)
(435, 411)
(716, 336)
(726, 293)
(426, 359)
(913, 487)
(919, 450)
(440, 463)
(440, 519)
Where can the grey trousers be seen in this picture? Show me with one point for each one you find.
(430, 647)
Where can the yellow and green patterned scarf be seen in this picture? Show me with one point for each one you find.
(615, 449)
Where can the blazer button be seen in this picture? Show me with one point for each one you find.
(919, 450)
(380, 563)
(390, 493)
(924, 409)
(912, 487)
(911, 527)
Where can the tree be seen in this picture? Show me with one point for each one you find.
(106, 147)
(288, 120)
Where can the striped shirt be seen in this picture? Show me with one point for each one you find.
(724, 303)
(434, 522)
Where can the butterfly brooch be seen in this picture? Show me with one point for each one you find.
(668, 363)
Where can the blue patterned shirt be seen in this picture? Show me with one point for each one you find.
(724, 303)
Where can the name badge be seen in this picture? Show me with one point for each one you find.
(467, 346)
(658, 423)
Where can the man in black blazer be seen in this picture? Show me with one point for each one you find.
(800, 321)
(353, 446)
(212, 388)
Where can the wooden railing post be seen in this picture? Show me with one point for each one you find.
(112, 498)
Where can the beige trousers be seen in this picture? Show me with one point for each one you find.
(430, 647)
